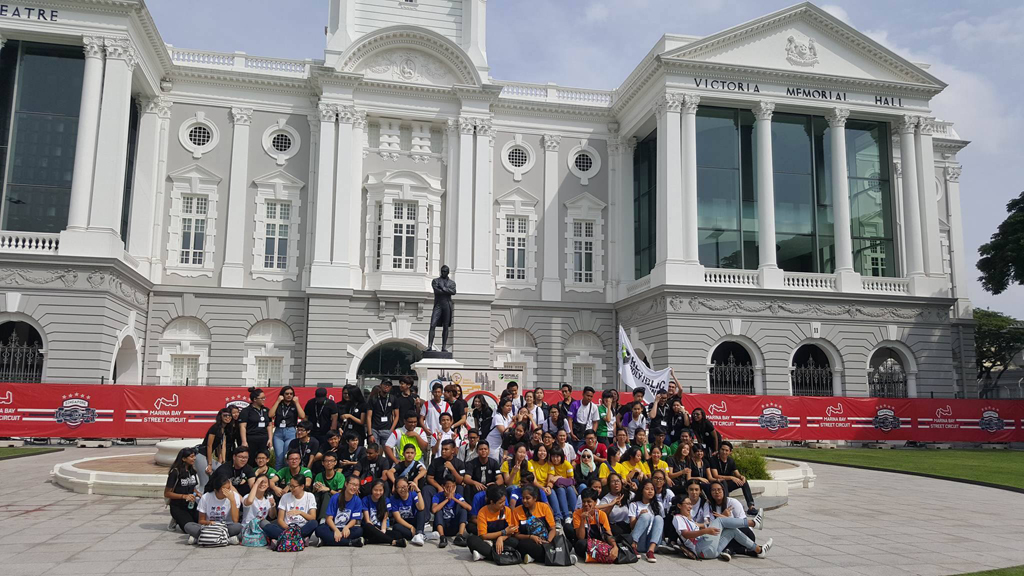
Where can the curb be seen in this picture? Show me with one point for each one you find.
(919, 474)
(16, 456)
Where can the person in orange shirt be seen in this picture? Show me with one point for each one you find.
(536, 525)
(593, 533)
(495, 527)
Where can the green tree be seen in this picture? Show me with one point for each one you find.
(997, 338)
(1002, 258)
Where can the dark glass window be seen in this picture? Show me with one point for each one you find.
(129, 171)
(39, 161)
(645, 183)
(867, 161)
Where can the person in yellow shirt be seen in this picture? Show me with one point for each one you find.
(535, 525)
(519, 463)
(656, 463)
(544, 478)
(632, 468)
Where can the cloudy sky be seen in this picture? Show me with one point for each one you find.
(975, 47)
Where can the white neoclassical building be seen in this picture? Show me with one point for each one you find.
(769, 209)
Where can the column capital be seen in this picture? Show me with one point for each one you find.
(925, 125)
(899, 168)
(905, 124)
(953, 172)
(359, 120)
(467, 125)
(837, 117)
(346, 113)
(689, 103)
(314, 123)
(764, 109)
(614, 144)
(551, 142)
(451, 126)
(328, 112)
(120, 49)
(484, 128)
(241, 116)
(160, 105)
(630, 144)
(93, 46)
(668, 102)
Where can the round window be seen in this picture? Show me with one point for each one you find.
(199, 135)
(584, 162)
(281, 142)
(517, 157)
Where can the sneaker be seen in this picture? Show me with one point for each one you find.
(759, 519)
(433, 535)
(357, 543)
(233, 541)
(765, 548)
(319, 542)
(191, 540)
(400, 543)
(460, 540)
(650, 557)
(417, 540)
(725, 557)
(313, 540)
(442, 542)
(172, 525)
(477, 556)
(527, 559)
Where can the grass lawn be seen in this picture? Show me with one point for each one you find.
(6, 453)
(1002, 467)
(1014, 571)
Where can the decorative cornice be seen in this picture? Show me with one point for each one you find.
(551, 142)
(837, 117)
(241, 116)
(96, 280)
(764, 109)
(161, 106)
(328, 112)
(953, 172)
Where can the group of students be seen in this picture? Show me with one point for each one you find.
(615, 480)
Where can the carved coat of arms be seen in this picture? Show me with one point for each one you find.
(801, 53)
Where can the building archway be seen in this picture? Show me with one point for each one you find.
(892, 371)
(389, 360)
(735, 367)
(815, 370)
(126, 362)
(22, 352)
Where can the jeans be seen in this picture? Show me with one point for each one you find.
(417, 524)
(373, 535)
(326, 535)
(380, 437)
(274, 531)
(282, 436)
(647, 531)
(712, 545)
(201, 464)
(451, 526)
(193, 528)
(182, 515)
(559, 501)
(747, 496)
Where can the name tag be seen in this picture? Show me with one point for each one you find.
(383, 418)
(263, 425)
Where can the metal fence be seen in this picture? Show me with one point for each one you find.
(20, 362)
(887, 380)
(812, 380)
(731, 377)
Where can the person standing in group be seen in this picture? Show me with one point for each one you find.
(182, 489)
(704, 430)
(430, 414)
(606, 418)
(286, 414)
(323, 413)
(406, 399)
(409, 435)
(382, 412)
(566, 404)
(220, 504)
(557, 420)
(467, 450)
(352, 413)
(255, 423)
(212, 452)
(502, 420)
(483, 418)
(585, 415)
(460, 409)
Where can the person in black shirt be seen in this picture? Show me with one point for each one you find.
(481, 472)
(232, 431)
(723, 468)
(445, 467)
(255, 423)
(405, 400)
(566, 404)
(212, 452)
(322, 412)
(307, 446)
(286, 413)
(483, 416)
(704, 430)
(333, 447)
(352, 412)
(453, 395)
(371, 468)
(350, 455)
(382, 412)
(242, 475)
(181, 489)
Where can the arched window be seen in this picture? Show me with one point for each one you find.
(21, 353)
(389, 360)
(184, 353)
(811, 372)
(268, 360)
(583, 360)
(732, 370)
(887, 375)
(515, 349)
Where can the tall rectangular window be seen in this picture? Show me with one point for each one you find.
(645, 183)
(583, 251)
(268, 371)
(275, 254)
(193, 229)
(867, 162)
(40, 96)
(184, 370)
(516, 228)
(404, 254)
(380, 236)
(582, 375)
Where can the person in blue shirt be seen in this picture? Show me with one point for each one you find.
(449, 509)
(341, 525)
(408, 511)
(376, 512)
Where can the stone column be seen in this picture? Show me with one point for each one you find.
(911, 206)
(848, 280)
(451, 145)
(483, 240)
(957, 255)
(669, 199)
(343, 235)
(88, 128)
(771, 275)
(147, 189)
(927, 198)
(691, 254)
(615, 230)
(322, 274)
(551, 285)
(233, 271)
(163, 110)
(463, 224)
(355, 182)
(627, 246)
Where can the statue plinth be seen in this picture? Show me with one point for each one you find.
(435, 354)
(430, 368)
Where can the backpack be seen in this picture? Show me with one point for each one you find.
(213, 536)
(291, 540)
(253, 535)
(559, 553)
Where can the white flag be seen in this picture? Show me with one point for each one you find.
(635, 374)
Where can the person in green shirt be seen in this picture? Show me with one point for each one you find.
(294, 470)
(327, 483)
(263, 466)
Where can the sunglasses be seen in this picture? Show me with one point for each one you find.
(586, 457)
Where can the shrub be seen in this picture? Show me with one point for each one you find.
(751, 464)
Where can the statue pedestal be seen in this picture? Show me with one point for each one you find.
(428, 368)
(436, 355)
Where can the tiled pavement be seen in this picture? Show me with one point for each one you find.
(852, 523)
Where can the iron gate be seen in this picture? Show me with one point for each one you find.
(732, 377)
(812, 380)
(20, 362)
(888, 380)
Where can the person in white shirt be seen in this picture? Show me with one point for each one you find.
(587, 415)
(296, 507)
(616, 505)
(709, 540)
(430, 413)
(700, 510)
(219, 505)
(259, 503)
(646, 520)
(502, 419)
(446, 432)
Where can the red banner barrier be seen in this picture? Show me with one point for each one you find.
(112, 411)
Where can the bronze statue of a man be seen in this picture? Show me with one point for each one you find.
(444, 310)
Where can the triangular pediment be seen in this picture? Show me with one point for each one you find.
(517, 197)
(807, 40)
(585, 202)
(194, 171)
(279, 177)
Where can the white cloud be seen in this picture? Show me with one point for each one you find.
(596, 12)
(838, 12)
(1006, 28)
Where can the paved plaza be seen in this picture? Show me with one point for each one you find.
(852, 523)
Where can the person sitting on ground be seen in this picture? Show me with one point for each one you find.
(293, 470)
(220, 504)
(297, 507)
(536, 439)
(535, 525)
(327, 483)
(408, 511)
(371, 467)
(699, 505)
(376, 513)
(632, 468)
(213, 452)
(304, 443)
(710, 540)
(640, 441)
(563, 445)
(259, 505)
(699, 469)
(590, 442)
(450, 511)
(263, 467)
(542, 469)
(182, 489)
(408, 435)
(341, 526)
(443, 467)
(242, 475)
(588, 470)
(615, 503)
(495, 527)
(663, 493)
(591, 527)
(646, 521)
(563, 485)
(723, 468)
(655, 463)
(409, 468)
(517, 434)
(481, 472)
(349, 455)
(722, 506)
(515, 464)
